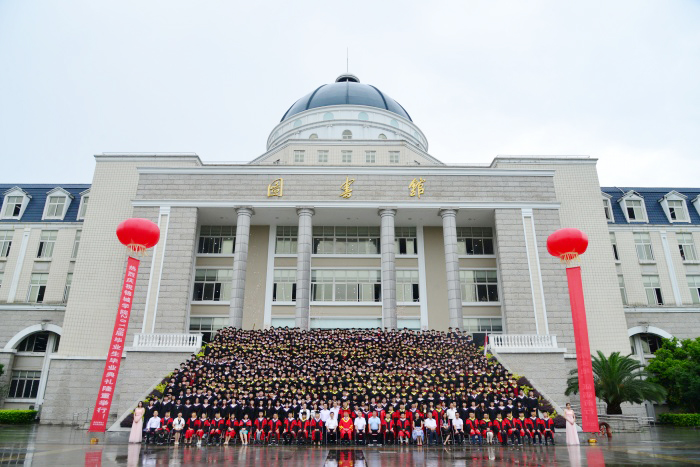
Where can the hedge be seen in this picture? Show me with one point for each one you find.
(680, 419)
(17, 417)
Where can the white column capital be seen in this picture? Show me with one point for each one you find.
(447, 212)
(387, 211)
(245, 211)
(305, 211)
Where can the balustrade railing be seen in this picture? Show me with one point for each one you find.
(167, 340)
(522, 341)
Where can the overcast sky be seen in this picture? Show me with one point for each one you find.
(616, 80)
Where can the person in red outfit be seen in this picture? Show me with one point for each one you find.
(500, 429)
(303, 434)
(191, 427)
(346, 427)
(403, 429)
(388, 430)
(259, 429)
(546, 427)
(316, 429)
(204, 428)
(485, 428)
(275, 425)
(289, 433)
(230, 429)
(510, 424)
(217, 427)
(245, 427)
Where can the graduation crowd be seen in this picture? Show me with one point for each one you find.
(347, 386)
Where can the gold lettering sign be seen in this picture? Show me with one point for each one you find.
(416, 187)
(346, 191)
(275, 188)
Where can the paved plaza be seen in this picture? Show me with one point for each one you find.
(58, 446)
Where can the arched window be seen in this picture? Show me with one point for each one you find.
(347, 134)
(382, 136)
(362, 116)
(328, 116)
(37, 342)
(394, 123)
(297, 122)
(313, 136)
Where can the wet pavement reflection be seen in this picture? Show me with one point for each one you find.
(58, 446)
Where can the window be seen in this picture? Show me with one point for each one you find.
(313, 136)
(653, 290)
(297, 123)
(328, 116)
(362, 116)
(623, 292)
(613, 240)
(346, 285)
(346, 157)
(474, 241)
(37, 342)
(608, 210)
(490, 325)
(347, 134)
(37, 287)
(24, 384)
(46, 244)
(83, 206)
(393, 157)
(370, 157)
(55, 205)
(286, 243)
(694, 284)
(394, 123)
(382, 136)
(685, 245)
(13, 207)
(285, 287)
(346, 241)
(212, 285)
(66, 291)
(298, 156)
(407, 286)
(642, 241)
(635, 210)
(479, 285)
(76, 244)
(217, 239)
(323, 156)
(207, 326)
(405, 242)
(5, 242)
(650, 343)
(676, 210)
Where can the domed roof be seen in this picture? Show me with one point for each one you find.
(347, 90)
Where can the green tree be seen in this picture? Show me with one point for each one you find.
(676, 367)
(618, 379)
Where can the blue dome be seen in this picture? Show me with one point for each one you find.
(347, 90)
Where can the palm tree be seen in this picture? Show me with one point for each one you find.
(618, 379)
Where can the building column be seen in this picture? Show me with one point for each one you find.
(240, 261)
(304, 245)
(454, 293)
(388, 268)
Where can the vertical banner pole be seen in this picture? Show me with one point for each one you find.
(589, 411)
(116, 348)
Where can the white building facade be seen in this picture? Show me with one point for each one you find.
(345, 221)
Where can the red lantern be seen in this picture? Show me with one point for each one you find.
(138, 234)
(567, 244)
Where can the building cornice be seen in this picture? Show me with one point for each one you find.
(180, 203)
(343, 170)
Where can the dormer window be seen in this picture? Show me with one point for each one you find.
(347, 134)
(82, 209)
(57, 202)
(633, 207)
(15, 203)
(675, 207)
(607, 207)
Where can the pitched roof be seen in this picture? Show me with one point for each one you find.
(655, 211)
(38, 193)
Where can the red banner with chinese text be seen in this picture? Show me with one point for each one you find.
(116, 348)
(589, 411)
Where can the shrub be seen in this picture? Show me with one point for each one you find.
(17, 417)
(680, 419)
